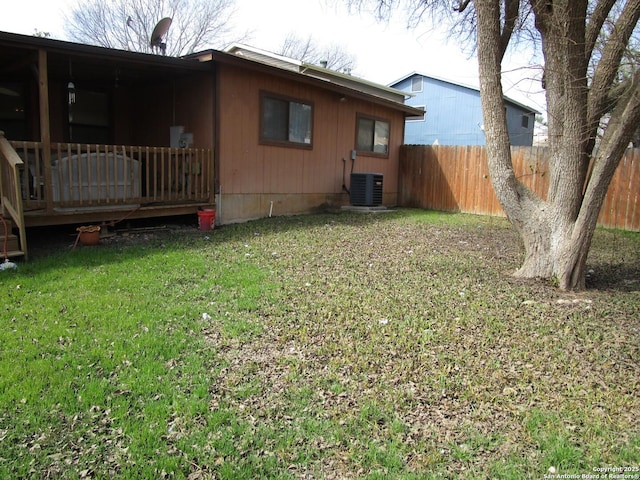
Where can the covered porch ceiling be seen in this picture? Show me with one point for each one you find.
(72, 61)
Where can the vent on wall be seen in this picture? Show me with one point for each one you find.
(366, 189)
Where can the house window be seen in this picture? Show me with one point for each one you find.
(13, 120)
(417, 118)
(372, 136)
(285, 121)
(416, 83)
(89, 117)
(525, 121)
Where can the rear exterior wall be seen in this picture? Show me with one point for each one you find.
(258, 180)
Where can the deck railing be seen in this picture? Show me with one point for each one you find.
(11, 167)
(79, 175)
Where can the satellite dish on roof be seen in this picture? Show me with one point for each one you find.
(160, 30)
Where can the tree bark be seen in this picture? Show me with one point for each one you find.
(556, 233)
(529, 214)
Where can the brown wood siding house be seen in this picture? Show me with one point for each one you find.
(258, 179)
(245, 159)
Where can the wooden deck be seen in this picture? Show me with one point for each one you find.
(73, 183)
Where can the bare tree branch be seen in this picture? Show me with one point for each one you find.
(512, 12)
(462, 6)
(596, 21)
(128, 24)
(609, 62)
(306, 50)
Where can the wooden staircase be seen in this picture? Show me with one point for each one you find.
(13, 242)
(11, 203)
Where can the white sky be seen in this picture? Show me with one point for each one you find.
(384, 52)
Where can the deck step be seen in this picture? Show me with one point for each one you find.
(9, 227)
(14, 254)
(13, 247)
(13, 244)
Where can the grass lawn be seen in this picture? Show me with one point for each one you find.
(325, 346)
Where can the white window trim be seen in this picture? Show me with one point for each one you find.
(414, 118)
(421, 84)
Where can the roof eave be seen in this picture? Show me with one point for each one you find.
(243, 62)
(79, 49)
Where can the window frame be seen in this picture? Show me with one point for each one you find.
(416, 118)
(525, 119)
(417, 90)
(372, 152)
(284, 143)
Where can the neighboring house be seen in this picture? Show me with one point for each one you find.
(453, 113)
(106, 133)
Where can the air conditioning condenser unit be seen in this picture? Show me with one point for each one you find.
(366, 189)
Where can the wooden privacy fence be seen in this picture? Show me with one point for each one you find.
(450, 178)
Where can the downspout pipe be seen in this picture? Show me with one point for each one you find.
(344, 165)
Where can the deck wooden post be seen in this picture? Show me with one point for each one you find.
(45, 126)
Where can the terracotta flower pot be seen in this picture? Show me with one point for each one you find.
(89, 235)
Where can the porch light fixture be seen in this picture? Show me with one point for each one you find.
(72, 92)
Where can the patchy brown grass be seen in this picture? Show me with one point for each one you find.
(399, 345)
(328, 346)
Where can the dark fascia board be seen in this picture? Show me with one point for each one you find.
(234, 60)
(82, 50)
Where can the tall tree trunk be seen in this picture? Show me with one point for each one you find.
(557, 232)
(555, 248)
(547, 228)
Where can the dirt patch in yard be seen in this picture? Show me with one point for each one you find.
(43, 241)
